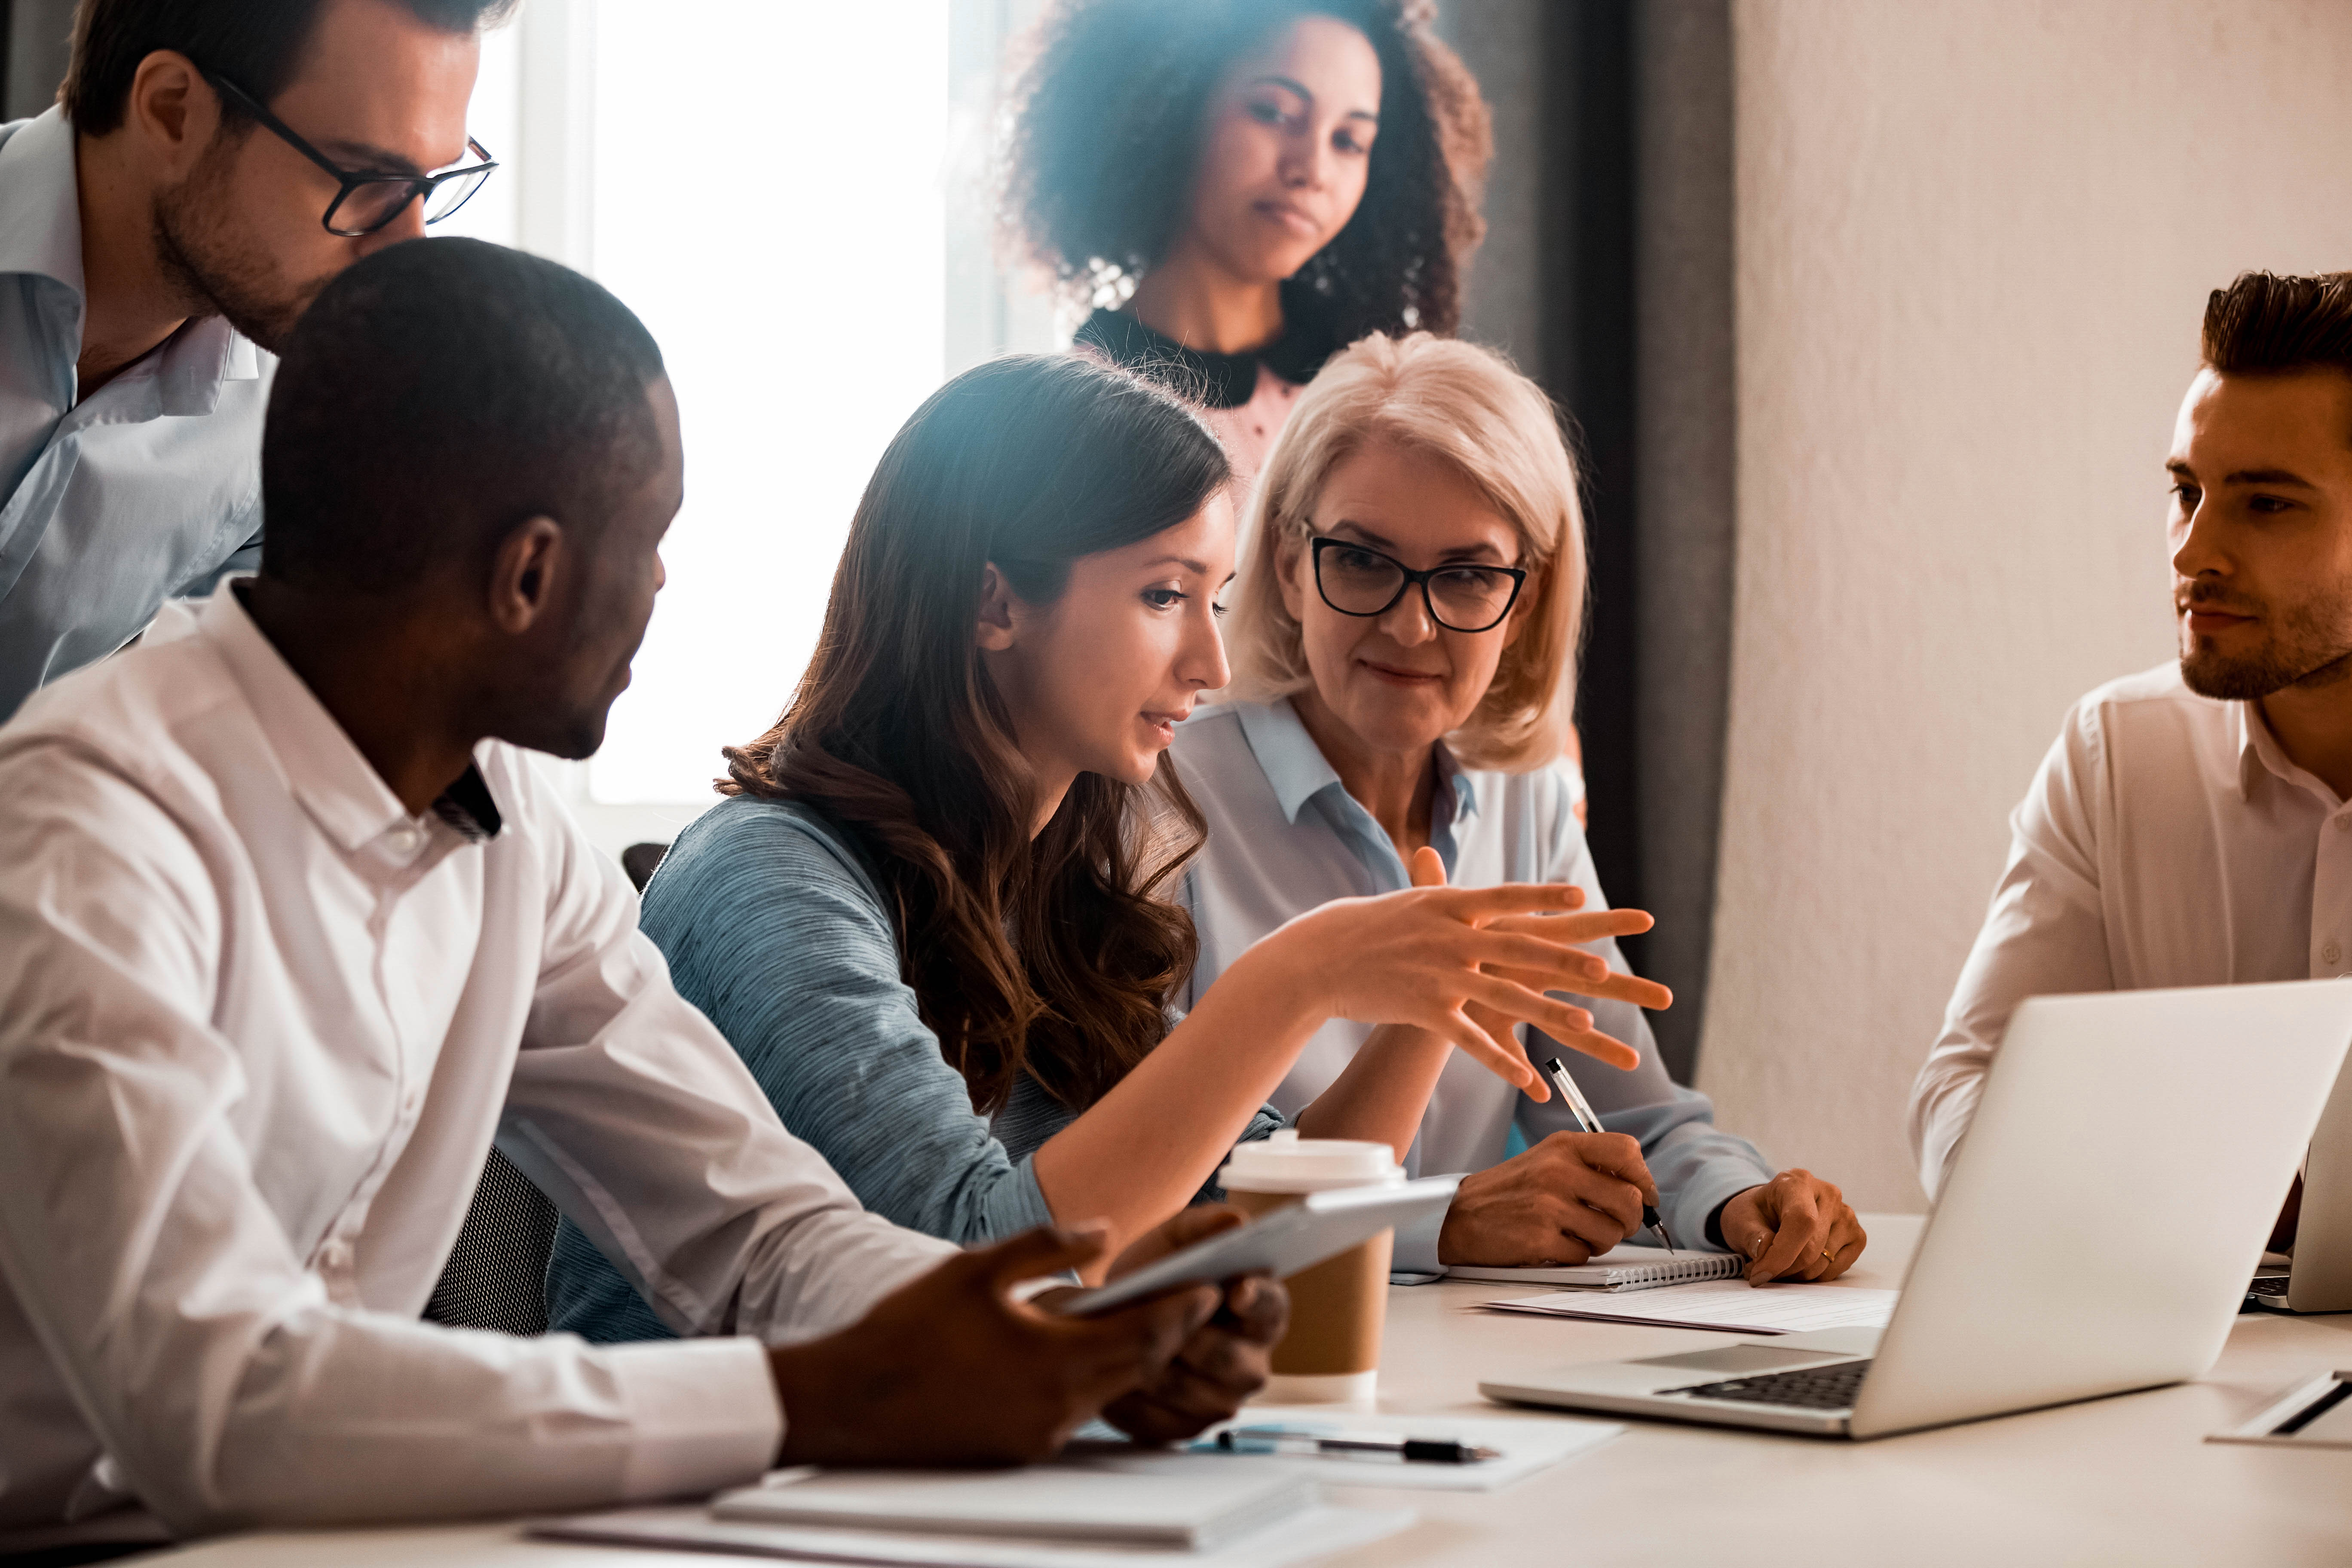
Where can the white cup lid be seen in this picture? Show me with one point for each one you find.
(1286, 1162)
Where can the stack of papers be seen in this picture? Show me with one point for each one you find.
(1303, 1538)
(1086, 1511)
(1737, 1309)
(1191, 1509)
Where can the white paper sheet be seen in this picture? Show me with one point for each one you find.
(1527, 1447)
(1304, 1537)
(1732, 1308)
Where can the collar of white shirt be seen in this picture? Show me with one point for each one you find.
(40, 237)
(2259, 753)
(323, 769)
(1295, 765)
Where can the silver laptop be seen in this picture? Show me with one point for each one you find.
(2135, 1146)
(2319, 1279)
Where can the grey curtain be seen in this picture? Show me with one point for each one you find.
(32, 54)
(1607, 276)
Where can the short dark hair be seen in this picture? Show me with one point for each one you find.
(437, 395)
(2266, 323)
(255, 44)
(1105, 136)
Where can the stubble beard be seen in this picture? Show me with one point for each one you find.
(210, 272)
(2310, 647)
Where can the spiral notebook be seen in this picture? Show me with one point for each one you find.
(1619, 1268)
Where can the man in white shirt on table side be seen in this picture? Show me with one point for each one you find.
(161, 228)
(2191, 826)
(290, 931)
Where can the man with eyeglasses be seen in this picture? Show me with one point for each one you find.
(209, 166)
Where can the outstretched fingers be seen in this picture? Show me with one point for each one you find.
(1566, 1023)
(1579, 926)
(1483, 904)
(1500, 1055)
(1632, 988)
(1560, 963)
(1608, 986)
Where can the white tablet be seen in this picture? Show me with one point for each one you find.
(1319, 1226)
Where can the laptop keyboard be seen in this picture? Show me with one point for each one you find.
(1806, 1388)
(2268, 1286)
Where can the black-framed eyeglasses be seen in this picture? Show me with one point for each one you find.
(369, 199)
(1357, 579)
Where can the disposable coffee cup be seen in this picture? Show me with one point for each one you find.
(1331, 1352)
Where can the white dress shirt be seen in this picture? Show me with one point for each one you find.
(2166, 841)
(258, 1027)
(147, 489)
(1284, 836)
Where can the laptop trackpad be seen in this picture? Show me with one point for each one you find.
(1741, 1360)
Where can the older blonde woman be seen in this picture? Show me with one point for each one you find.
(1404, 642)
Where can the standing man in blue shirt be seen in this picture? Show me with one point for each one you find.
(210, 165)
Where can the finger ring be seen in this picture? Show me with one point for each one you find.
(1825, 1253)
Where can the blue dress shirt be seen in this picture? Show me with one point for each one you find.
(1284, 836)
(148, 489)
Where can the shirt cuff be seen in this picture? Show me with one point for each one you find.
(1416, 1245)
(703, 1415)
(1696, 1210)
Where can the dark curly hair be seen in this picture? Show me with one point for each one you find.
(1105, 134)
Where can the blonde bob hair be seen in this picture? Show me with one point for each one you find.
(1467, 407)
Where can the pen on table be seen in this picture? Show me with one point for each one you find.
(1284, 1440)
(1582, 1111)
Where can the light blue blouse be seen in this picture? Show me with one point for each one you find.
(1284, 836)
(774, 928)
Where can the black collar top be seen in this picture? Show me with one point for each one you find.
(1216, 379)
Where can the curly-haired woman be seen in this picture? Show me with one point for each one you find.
(1272, 178)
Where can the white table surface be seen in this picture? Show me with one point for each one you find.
(2123, 1480)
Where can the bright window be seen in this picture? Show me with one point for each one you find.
(767, 198)
(790, 195)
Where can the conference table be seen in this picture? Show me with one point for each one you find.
(2127, 1479)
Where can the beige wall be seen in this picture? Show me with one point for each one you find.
(1974, 240)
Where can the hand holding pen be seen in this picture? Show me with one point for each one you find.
(1581, 1109)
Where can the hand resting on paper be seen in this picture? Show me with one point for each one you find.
(950, 1370)
(1794, 1227)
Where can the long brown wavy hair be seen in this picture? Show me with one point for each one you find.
(1053, 958)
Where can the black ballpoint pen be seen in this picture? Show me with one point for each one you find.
(1428, 1450)
(1578, 1108)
